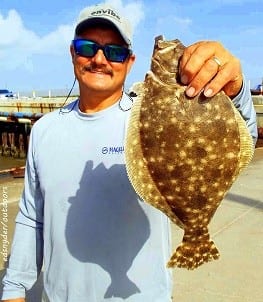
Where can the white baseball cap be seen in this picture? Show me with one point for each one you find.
(104, 14)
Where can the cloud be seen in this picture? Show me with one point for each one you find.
(133, 11)
(18, 44)
(31, 59)
(10, 28)
(173, 26)
(183, 22)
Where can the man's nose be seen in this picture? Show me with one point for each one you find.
(99, 57)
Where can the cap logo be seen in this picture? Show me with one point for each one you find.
(109, 12)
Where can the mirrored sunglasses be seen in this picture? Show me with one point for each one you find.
(88, 48)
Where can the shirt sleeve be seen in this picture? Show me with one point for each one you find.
(26, 257)
(244, 104)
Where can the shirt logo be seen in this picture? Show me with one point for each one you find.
(113, 150)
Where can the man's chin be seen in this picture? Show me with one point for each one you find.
(99, 86)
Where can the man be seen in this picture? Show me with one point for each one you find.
(78, 210)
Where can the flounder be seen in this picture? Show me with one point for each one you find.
(183, 154)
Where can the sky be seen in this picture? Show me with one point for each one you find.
(35, 36)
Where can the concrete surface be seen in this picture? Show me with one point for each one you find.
(236, 228)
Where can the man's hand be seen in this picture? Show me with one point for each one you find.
(208, 66)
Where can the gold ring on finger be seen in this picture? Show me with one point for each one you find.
(218, 62)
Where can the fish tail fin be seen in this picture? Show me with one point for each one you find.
(193, 253)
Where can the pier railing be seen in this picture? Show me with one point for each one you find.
(18, 115)
(16, 119)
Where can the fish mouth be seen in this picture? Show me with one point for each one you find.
(166, 60)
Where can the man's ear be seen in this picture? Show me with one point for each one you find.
(130, 63)
(72, 52)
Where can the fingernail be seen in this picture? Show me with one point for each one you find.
(208, 92)
(184, 79)
(190, 92)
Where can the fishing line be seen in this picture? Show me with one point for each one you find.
(63, 110)
(124, 106)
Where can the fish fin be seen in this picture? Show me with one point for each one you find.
(192, 254)
(246, 142)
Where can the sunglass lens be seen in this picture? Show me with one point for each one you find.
(112, 53)
(116, 53)
(85, 48)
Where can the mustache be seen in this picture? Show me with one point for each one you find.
(93, 67)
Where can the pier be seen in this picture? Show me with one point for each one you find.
(18, 115)
(16, 119)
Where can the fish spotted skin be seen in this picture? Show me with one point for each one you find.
(183, 154)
